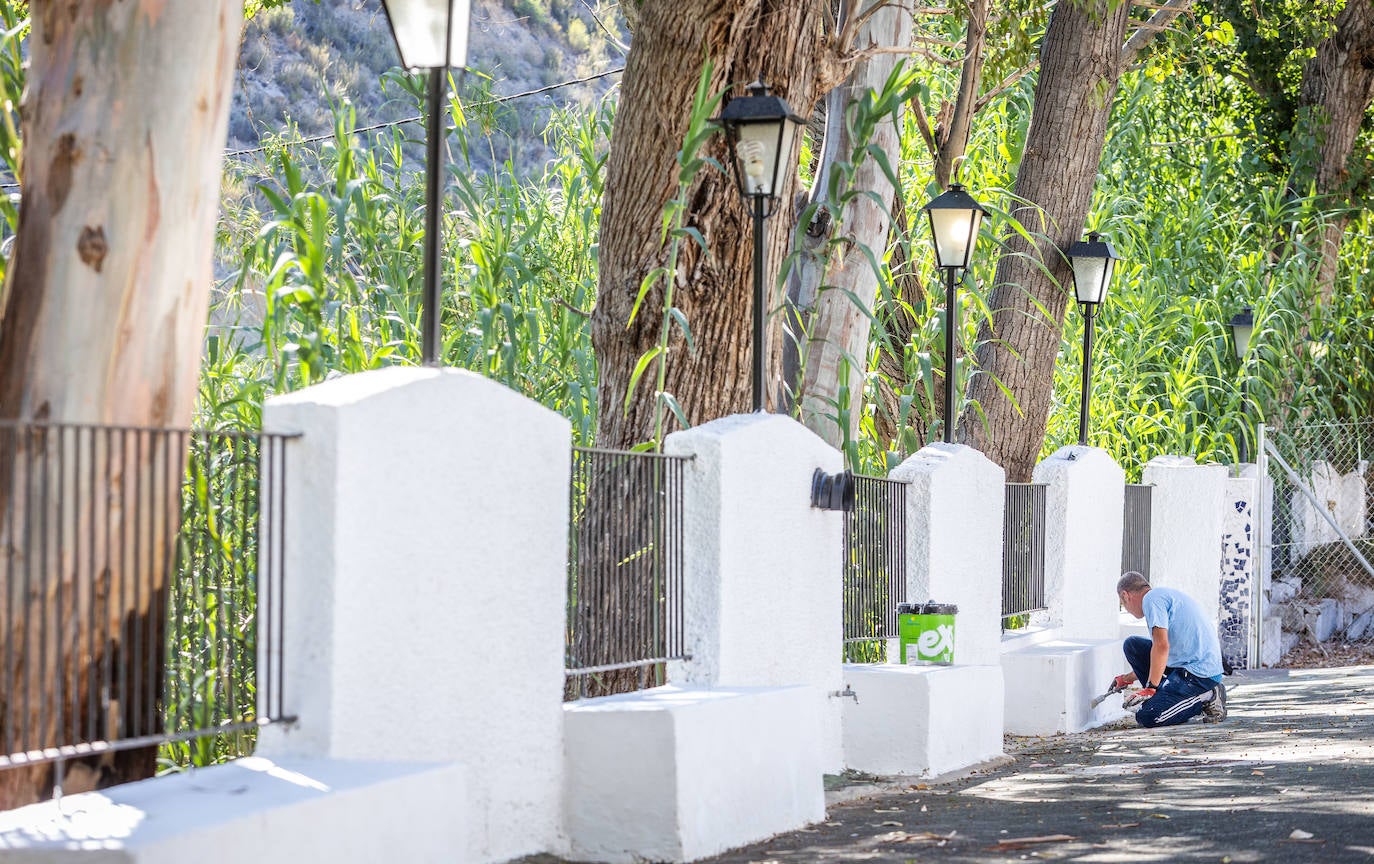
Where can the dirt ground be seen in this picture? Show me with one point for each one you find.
(1314, 655)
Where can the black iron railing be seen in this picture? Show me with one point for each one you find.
(874, 566)
(142, 579)
(1135, 530)
(1023, 554)
(625, 612)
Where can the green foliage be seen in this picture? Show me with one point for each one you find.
(329, 277)
(673, 234)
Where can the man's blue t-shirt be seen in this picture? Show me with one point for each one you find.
(1193, 641)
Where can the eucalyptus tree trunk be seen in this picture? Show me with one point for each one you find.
(784, 42)
(1337, 87)
(124, 122)
(1080, 63)
(835, 285)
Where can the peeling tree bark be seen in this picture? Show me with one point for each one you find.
(124, 122)
(835, 284)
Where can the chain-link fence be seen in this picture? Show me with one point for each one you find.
(1315, 562)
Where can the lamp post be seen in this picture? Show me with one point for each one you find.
(1242, 326)
(954, 220)
(432, 35)
(1093, 261)
(756, 125)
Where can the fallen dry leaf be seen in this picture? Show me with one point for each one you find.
(1022, 842)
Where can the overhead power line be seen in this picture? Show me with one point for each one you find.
(315, 139)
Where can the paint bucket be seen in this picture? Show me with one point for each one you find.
(928, 629)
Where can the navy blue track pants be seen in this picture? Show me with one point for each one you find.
(1179, 698)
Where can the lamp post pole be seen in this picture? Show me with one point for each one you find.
(430, 313)
(951, 325)
(758, 203)
(1088, 311)
(1244, 415)
(1093, 262)
(756, 125)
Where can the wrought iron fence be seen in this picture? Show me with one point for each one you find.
(1317, 559)
(142, 579)
(1135, 529)
(625, 590)
(874, 566)
(1023, 554)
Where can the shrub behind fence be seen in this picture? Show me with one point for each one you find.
(1023, 553)
(142, 581)
(625, 565)
(874, 567)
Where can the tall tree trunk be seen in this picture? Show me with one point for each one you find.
(1337, 86)
(1079, 68)
(780, 40)
(835, 276)
(124, 122)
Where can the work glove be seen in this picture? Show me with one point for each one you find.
(1139, 697)
(1121, 682)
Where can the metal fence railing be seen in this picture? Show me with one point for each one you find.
(142, 578)
(1023, 554)
(1317, 554)
(625, 565)
(874, 566)
(1135, 529)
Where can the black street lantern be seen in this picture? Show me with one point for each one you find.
(432, 35)
(954, 220)
(1242, 326)
(1094, 261)
(757, 127)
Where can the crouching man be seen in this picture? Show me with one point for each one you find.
(1179, 666)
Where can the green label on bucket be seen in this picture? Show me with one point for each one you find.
(931, 637)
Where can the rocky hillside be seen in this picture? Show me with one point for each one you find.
(300, 60)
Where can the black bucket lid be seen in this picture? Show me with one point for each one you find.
(931, 608)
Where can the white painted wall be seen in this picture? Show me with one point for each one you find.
(275, 812)
(1186, 527)
(922, 720)
(763, 568)
(954, 542)
(677, 774)
(1083, 505)
(426, 544)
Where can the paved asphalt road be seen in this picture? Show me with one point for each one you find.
(1288, 777)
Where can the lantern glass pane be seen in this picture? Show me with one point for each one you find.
(1090, 276)
(756, 154)
(420, 26)
(1241, 333)
(955, 232)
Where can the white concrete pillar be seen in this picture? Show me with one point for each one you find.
(1186, 527)
(1084, 500)
(426, 544)
(955, 504)
(1237, 570)
(763, 568)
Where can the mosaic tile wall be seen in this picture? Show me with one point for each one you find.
(1237, 573)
